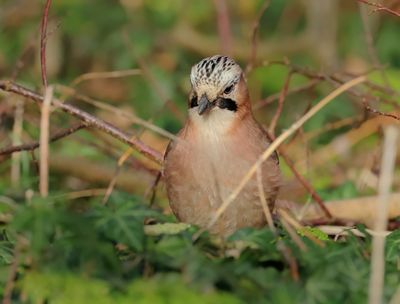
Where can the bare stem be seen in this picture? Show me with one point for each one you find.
(44, 143)
(380, 7)
(279, 140)
(89, 119)
(43, 40)
(35, 145)
(378, 241)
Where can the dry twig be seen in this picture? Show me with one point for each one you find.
(380, 7)
(32, 146)
(270, 99)
(279, 141)
(282, 96)
(370, 44)
(89, 119)
(286, 253)
(119, 112)
(253, 54)
(378, 241)
(301, 179)
(264, 203)
(16, 139)
(43, 40)
(102, 75)
(346, 230)
(44, 143)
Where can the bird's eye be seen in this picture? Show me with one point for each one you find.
(193, 101)
(228, 89)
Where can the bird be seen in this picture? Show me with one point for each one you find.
(217, 145)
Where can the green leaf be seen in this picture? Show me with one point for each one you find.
(318, 233)
(393, 247)
(166, 228)
(122, 222)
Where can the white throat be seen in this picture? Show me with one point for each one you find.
(212, 126)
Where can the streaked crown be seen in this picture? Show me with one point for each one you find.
(215, 72)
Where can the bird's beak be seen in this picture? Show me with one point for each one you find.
(204, 105)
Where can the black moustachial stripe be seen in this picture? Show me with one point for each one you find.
(227, 103)
(193, 102)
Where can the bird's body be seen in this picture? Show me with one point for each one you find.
(219, 143)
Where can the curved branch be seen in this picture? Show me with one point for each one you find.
(35, 145)
(89, 119)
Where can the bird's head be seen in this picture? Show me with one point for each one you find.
(217, 85)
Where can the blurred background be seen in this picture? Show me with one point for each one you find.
(159, 41)
(128, 62)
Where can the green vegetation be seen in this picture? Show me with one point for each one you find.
(72, 247)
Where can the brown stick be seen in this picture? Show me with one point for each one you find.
(380, 7)
(43, 38)
(270, 99)
(89, 119)
(278, 112)
(369, 40)
(44, 142)
(256, 25)
(305, 184)
(375, 111)
(32, 146)
(276, 143)
(376, 280)
(301, 179)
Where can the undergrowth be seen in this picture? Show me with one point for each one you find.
(81, 251)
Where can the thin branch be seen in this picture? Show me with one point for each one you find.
(35, 145)
(16, 140)
(334, 77)
(152, 191)
(44, 142)
(256, 26)
(370, 44)
(279, 140)
(337, 81)
(347, 230)
(378, 241)
(43, 40)
(264, 203)
(115, 110)
(375, 111)
(293, 234)
(286, 253)
(282, 96)
(380, 7)
(87, 118)
(105, 75)
(295, 224)
(270, 99)
(224, 28)
(304, 182)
